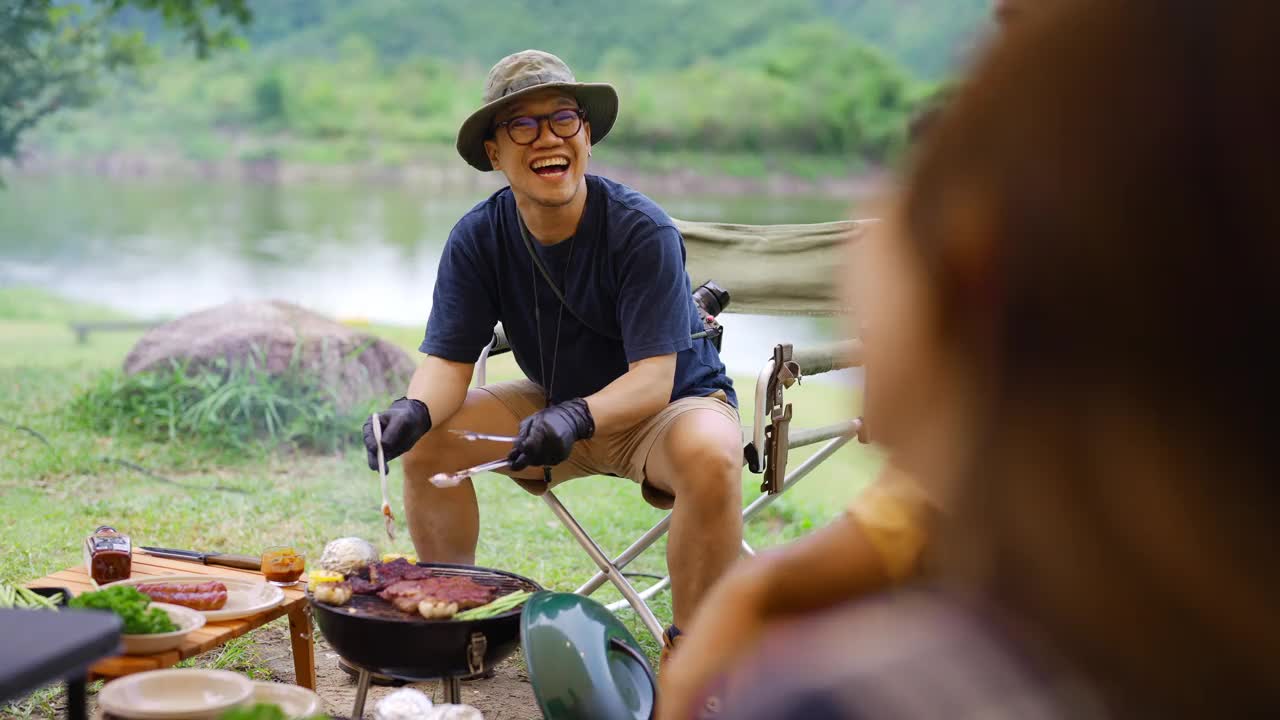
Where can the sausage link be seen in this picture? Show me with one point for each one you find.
(210, 595)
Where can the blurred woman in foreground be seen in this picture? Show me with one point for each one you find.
(877, 542)
(1070, 316)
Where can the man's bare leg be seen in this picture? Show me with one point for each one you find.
(445, 522)
(698, 459)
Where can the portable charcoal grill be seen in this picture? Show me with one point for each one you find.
(374, 636)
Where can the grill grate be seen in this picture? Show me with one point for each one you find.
(372, 606)
(484, 576)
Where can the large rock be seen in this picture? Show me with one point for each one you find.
(355, 365)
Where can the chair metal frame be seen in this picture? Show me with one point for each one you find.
(765, 453)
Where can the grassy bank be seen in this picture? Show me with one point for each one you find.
(60, 480)
(106, 143)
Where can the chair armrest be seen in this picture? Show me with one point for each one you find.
(818, 359)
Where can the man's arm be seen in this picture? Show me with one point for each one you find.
(643, 390)
(653, 307)
(441, 385)
(655, 316)
(435, 393)
(463, 313)
(547, 437)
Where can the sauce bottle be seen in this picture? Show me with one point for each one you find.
(108, 554)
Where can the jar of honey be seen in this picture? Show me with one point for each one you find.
(108, 555)
(283, 566)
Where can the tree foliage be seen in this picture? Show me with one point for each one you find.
(353, 80)
(927, 36)
(53, 54)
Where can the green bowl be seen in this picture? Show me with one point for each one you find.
(583, 663)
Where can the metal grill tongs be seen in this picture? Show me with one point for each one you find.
(389, 519)
(445, 480)
(475, 436)
(452, 479)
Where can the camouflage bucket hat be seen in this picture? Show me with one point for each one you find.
(526, 72)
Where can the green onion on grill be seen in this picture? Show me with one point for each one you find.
(510, 601)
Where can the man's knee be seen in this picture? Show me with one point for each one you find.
(706, 466)
(429, 454)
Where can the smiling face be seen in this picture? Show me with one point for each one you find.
(549, 171)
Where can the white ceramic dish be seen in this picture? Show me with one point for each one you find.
(185, 618)
(296, 702)
(245, 596)
(187, 694)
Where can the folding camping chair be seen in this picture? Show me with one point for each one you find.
(782, 280)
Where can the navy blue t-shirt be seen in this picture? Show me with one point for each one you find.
(623, 273)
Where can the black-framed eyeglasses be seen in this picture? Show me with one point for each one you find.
(524, 130)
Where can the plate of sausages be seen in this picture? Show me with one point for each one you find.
(217, 597)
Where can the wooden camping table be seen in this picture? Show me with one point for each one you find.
(213, 634)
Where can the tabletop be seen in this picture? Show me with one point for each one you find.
(213, 634)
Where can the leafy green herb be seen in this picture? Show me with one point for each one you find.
(261, 711)
(131, 605)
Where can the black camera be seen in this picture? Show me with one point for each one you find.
(712, 298)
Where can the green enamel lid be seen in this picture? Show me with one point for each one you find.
(583, 663)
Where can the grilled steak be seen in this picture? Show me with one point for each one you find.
(360, 586)
(383, 575)
(467, 593)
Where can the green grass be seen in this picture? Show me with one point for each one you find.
(47, 702)
(60, 480)
(228, 406)
(28, 304)
(239, 654)
(41, 703)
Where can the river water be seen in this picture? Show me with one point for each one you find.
(158, 248)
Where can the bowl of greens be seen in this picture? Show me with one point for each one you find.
(149, 627)
(266, 710)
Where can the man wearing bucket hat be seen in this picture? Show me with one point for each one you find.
(587, 277)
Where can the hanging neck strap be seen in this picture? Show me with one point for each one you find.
(555, 289)
(546, 275)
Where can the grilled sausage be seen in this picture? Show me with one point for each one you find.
(210, 595)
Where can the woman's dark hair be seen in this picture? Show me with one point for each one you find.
(927, 116)
(1098, 212)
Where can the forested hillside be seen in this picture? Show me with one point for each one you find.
(926, 36)
(335, 80)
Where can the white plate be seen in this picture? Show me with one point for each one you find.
(185, 618)
(245, 596)
(296, 702)
(187, 694)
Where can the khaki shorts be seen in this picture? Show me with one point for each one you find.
(621, 454)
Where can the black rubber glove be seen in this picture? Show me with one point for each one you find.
(547, 436)
(403, 424)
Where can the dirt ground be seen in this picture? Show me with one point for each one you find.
(506, 696)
